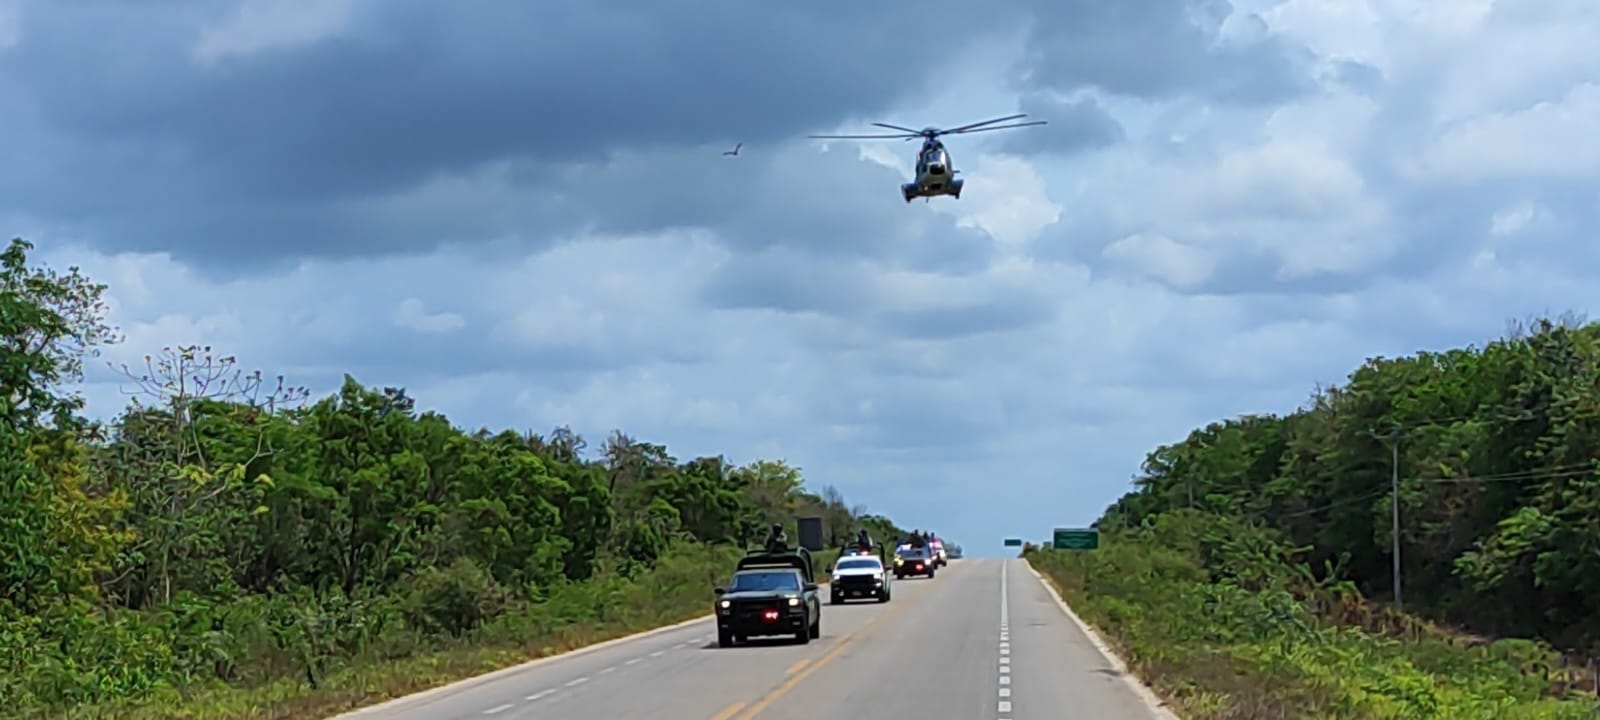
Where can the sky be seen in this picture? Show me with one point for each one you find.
(520, 212)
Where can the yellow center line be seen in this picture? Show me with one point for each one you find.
(800, 670)
(796, 667)
(778, 692)
(728, 711)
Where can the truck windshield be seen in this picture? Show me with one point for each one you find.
(856, 564)
(765, 581)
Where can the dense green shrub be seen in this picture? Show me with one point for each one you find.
(1221, 626)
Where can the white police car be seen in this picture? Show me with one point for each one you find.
(859, 576)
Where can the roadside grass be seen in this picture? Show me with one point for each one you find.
(1219, 644)
(571, 617)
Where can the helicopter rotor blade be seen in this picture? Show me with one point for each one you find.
(1000, 127)
(897, 127)
(859, 137)
(968, 128)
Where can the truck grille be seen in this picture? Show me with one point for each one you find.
(751, 610)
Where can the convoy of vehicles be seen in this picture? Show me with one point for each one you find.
(773, 590)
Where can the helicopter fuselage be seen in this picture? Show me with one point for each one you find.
(935, 174)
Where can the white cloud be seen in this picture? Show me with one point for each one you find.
(259, 25)
(1517, 218)
(1553, 139)
(412, 313)
(10, 23)
(1008, 199)
(1161, 257)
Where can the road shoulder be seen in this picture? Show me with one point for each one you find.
(1157, 706)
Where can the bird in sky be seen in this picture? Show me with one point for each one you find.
(735, 151)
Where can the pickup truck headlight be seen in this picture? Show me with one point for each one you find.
(794, 601)
(725, 604)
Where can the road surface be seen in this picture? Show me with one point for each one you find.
(984, 639)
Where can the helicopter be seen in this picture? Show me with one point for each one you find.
(935, 174)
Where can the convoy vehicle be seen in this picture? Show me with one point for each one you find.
(913, 561)
(859, 575)
(936, 550)
(770, 593)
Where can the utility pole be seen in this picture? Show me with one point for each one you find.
(1393, 440)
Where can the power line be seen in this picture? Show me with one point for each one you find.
(1336, 504)
(1554, 473)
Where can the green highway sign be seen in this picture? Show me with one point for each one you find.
(1076, 539)
(1013, 542)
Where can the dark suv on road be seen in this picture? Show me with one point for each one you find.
(769, 594)
(913, 561)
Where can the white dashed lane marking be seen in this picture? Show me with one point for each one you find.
(542, 694)
(1004, 705)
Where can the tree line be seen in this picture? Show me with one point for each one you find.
(229, 528)
(1496, 452)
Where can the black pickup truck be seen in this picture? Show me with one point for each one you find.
(769, 594)
(913, 561)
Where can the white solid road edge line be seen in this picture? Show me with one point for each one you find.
(475, 680)
(1153, 701)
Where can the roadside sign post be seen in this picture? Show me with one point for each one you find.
(1081, 539)
(1076, 539)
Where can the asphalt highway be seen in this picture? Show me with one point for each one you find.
(983, 640)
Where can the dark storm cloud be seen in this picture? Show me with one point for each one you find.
(1161, 48)
(166, 154)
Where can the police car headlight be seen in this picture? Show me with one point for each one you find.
(725, 604)
(794, 601)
